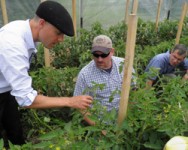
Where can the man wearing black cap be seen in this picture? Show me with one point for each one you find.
(18, 43)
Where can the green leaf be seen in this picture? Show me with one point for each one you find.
(152, 146)
(42, 145)
(1, 143)
(51, 135)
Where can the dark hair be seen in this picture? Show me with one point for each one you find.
(181, 48)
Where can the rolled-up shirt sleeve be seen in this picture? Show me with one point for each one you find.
(26, 100)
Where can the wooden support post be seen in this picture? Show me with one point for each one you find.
(135, 7)
(128, 67)
(47, 57)
(158, 15)
(186, 11)
(4, 11)
(127, 11)
(46, 52)
(183, 14)
(74, 16)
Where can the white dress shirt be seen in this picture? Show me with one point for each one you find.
(16, 48)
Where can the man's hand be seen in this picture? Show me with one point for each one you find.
(86, 118)
(149, 84)
(185, 77)
(81, 102)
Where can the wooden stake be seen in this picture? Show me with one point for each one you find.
(46, 53)
(128, 67)
(135, 7)
(158, 15)
(126, 11)
(74, 15)
(186, 11)
(4, 11)
(47, 57)
(183, 14)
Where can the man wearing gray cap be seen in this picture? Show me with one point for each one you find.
(103, 69)
(18, 43)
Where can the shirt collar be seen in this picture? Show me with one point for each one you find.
(29, 38)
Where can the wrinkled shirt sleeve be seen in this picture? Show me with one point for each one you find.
(14, 68)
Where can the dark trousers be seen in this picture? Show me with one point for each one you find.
(10, 125)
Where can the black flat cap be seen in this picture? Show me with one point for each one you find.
(54, 13)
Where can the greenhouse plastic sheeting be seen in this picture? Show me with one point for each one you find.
(106, 12)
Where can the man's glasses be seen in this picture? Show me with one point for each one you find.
(178, 59)
(100, 55)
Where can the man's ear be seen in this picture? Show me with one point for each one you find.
(42, 22)
(112, 51)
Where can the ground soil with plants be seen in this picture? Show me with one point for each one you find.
(154, 115)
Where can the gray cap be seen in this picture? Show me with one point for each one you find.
(102, 43)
